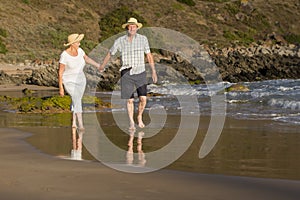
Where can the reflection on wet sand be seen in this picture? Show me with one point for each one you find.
(77, 136)
(246, 148)
(141, 160)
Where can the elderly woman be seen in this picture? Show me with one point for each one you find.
(71, 76)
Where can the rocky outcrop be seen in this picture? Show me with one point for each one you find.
(258, 62)
(240, 64)
(44, 74)
(5, 78)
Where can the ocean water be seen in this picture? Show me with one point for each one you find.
(277, 100)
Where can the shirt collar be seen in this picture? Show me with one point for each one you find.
(134, 37)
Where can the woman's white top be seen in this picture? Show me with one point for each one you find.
(73, 66)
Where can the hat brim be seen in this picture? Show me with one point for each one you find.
(78, 39)
(139, 25)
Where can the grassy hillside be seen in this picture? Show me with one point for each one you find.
(36, 29)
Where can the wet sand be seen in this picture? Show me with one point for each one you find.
(27, 173)
(252, 148)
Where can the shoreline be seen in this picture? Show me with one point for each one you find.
(25, 171)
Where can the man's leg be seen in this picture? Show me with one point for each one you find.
(141, 108)
(141, 85)
(130, 110)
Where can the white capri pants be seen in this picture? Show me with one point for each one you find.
(76, 91)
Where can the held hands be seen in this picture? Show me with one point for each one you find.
(154, 75)
(101, 68)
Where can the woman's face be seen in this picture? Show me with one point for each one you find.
(76, 45)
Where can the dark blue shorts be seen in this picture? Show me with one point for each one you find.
(132, 83)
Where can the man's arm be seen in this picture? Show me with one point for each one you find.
(151, 63)
(105, 61)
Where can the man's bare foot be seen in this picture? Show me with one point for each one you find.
(140, 122)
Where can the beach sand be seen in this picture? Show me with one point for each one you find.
(27, 173)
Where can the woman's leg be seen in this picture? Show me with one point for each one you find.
(80, 120)
(74, 120)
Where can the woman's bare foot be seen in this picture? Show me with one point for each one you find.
(140, 122)
(81, 130)
(131, 126)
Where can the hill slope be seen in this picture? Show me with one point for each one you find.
(36, 29)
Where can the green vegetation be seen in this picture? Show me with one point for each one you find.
(187, 2)
(57, 37)
(240, 37)
(111, 23)
(258, 21)
(87, 45)
(86, 15)
(292, 38)
(3, 49)
(26, 1)
(3, 33)
(53, 104)
(232, 8)
(178, 6)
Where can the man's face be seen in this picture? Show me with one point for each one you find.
(132, 28)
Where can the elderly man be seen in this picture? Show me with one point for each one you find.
(133, 47)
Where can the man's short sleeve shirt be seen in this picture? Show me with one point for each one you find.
(132, 53)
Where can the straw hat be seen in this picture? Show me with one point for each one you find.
(74, 38)
(132, 21)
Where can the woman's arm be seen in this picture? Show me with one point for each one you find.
(92, 62)
(61, 70)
